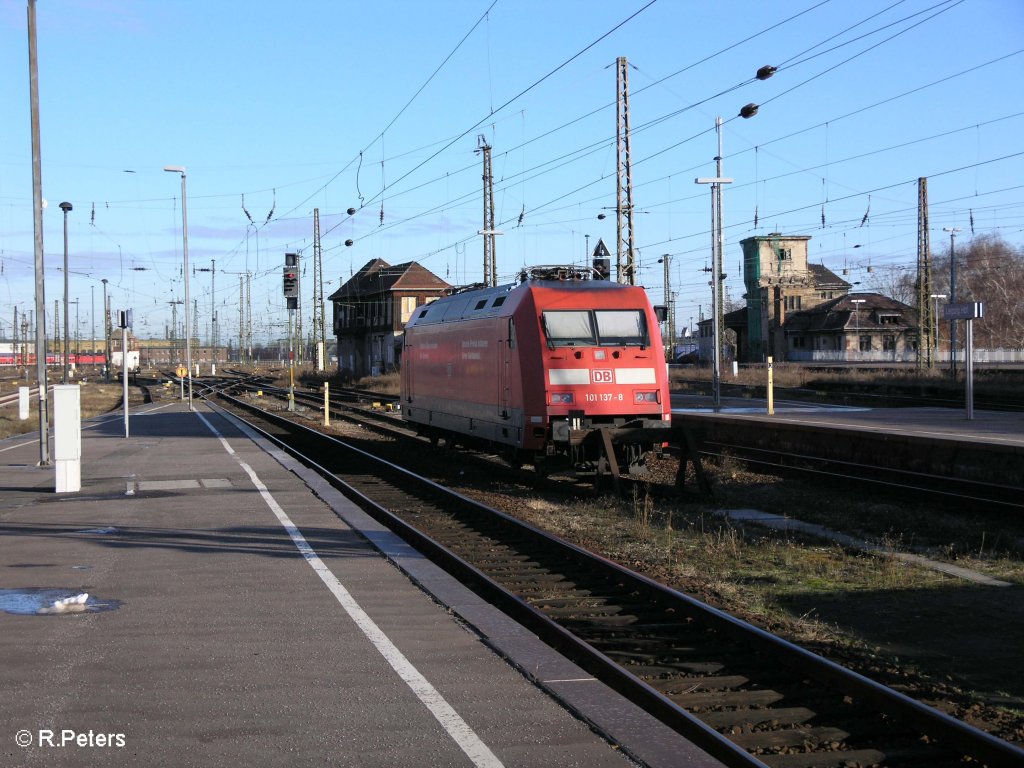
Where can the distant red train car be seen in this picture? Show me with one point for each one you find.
(559, 365)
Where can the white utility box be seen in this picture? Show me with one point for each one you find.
(67, 437)
(23, 403)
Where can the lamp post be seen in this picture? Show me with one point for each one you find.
(184, 234)
(935, 317)
(66, 207)
(952, 297)
(856, 306)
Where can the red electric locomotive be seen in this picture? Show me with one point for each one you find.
(559, 365)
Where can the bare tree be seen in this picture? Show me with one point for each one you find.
(991, 271)
(896, 282)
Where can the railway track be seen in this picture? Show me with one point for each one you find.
(916, 485)
(745, 696)
(352, 404)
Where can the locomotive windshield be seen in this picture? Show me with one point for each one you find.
(592, 328)
(620, 328)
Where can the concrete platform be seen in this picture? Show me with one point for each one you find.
(994, 427)
(239, 615)
(940, 441)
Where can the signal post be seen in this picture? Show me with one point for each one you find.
(291, 296)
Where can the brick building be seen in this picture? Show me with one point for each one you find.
(778, 280)
(370, 311)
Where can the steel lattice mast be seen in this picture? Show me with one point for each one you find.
(319, 329)
(490, 258)
(625, 265)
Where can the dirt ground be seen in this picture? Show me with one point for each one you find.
(949, 642)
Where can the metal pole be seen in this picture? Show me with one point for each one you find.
(184, 237)
(37, 217)
(719, 218)
(969, 363)
(670, 351)
(716, 352)
(65, 207)
(106, 333)
(92, 331)
(952, 297)
(124, 375)
(716, 268)
(935, 320)
(291, 362)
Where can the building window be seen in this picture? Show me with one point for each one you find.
(408, 307)
(785, 254)
(888, 319)
(865, 343)
(889, 342)
(799, 342)
(792, 302)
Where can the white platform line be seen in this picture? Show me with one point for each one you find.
(19, 445)
(445, 714)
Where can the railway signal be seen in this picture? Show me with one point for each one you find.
(291, 279)
(291, 283)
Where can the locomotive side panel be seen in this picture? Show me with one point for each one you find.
(462, 377)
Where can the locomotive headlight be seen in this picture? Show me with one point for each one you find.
(646, 397)
(562, 398)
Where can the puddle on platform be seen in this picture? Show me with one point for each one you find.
(52, 602)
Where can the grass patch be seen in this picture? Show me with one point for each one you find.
(96, 399)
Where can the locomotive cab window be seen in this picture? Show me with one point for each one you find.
(570, 328)
(621, 328)
(602, 327)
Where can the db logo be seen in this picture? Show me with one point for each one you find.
(602, 376)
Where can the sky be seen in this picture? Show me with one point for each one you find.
(276, 109)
